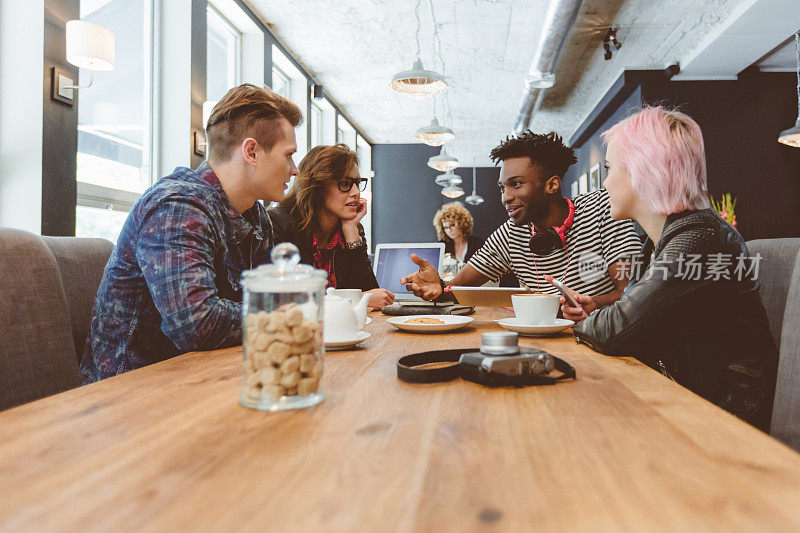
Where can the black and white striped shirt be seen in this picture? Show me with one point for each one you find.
(594, 242)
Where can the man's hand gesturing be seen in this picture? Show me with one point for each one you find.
(425, 283)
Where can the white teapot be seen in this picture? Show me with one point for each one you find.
(345, 313)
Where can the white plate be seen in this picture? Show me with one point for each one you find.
(451, 322)
(534, 330)
(342, 344)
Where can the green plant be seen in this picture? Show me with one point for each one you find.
(725, 206)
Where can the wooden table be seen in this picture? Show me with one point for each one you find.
(168, 447)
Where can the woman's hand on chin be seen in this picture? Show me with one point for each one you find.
(380, 298)
(350, 227)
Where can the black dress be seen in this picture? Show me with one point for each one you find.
(473, 244)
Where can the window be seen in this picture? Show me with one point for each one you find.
(114, 124)
(290, 82)
(346, 133)
(281, 83)
(223, 55)
(322, 119)
(103, 223)
(316, 117)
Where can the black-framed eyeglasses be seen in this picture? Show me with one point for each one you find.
(345, 184)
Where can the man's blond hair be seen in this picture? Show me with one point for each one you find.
(248, 111)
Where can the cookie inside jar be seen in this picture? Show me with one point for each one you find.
(283, 354)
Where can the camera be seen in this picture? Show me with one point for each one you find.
(500, 355)
(498, 362)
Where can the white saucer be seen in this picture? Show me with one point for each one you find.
(534, 330)
(451, 322)
(361, 336)
(369, 320)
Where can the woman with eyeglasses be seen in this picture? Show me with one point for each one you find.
(321, 215)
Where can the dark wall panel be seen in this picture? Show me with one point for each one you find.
(60, 126)
(405, 197)
(593, 151)
(741, 121)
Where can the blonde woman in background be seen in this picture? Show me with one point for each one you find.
(454, 226)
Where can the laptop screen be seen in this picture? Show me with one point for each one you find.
(394, 263)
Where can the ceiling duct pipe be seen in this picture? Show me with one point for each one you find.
(561, 15)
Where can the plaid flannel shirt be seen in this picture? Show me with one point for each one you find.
(172, 284)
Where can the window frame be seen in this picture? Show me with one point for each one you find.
(97, 196)
(316, 121)
(235, 58)
(251, 37)
(278, 73)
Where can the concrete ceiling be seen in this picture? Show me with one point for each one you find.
(353, 47)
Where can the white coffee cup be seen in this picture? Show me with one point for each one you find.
(341, 322)
(354, 295)
(536, 309)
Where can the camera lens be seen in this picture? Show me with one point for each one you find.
(500, 343)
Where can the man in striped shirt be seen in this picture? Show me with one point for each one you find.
(593, 256)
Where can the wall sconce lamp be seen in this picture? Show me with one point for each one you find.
(199, 140)
(89, 46)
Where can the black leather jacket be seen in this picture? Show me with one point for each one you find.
(710, 335)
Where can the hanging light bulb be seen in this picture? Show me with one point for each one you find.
(443, 180)
(455, 179)
(791, 137)
(434, 134)
(418, 81)
(474, 199)
(453, 190)
(448, 178)
(443, 161)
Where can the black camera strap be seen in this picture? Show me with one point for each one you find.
(408, 371)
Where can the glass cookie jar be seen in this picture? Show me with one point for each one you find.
(282, 308)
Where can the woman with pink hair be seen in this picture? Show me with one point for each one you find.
(691, 309)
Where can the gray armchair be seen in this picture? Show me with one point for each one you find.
(37, 354)
(779, 278)
(81, 263)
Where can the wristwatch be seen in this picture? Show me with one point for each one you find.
(354, 245)
(446, 295)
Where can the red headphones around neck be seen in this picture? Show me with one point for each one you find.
(552, 239)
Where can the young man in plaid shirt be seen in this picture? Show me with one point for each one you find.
(172, 283)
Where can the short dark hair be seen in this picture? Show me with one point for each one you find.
(248, 111)
(547, 150)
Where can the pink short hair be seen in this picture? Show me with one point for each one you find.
(665, 156)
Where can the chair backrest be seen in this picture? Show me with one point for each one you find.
(779, 286)
(786, 411)
(774, 276)
(81, 263)
(37, 355)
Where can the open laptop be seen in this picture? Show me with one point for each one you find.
(393, 261)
